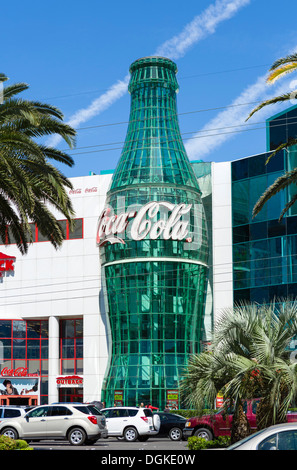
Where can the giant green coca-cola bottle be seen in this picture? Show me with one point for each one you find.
(153, 247)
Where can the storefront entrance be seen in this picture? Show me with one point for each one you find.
(70, 395)
(18, 400)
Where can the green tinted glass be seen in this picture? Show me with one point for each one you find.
(154, 288)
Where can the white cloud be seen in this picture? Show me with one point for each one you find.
(200, 27)
(216, 131)
(97, 106)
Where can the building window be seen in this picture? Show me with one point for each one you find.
(69, 234)
(25, 344)
(71, 346)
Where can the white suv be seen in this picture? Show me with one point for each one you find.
(13, 411)
(131, 423)
(77, 422)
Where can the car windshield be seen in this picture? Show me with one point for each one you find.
(88, 410)
(38, 412)
(178, 417)
(246, 439)
(94, 410)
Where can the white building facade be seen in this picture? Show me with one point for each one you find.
(53, 324)
(57, 289)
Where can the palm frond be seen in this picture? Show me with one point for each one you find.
(277, 99)
(14, 108)
(281, 71)
(284, 60)
(287, 207)
(13, 90)
(3, 77)
(30, 187)
(279, 184)
(47, 109)
(285, 145)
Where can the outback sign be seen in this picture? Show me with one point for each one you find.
(6, 263)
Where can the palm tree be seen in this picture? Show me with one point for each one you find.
(29, 185)
(249, 358)
(279, 68)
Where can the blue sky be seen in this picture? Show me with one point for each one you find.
(76, 56)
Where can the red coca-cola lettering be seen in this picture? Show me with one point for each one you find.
(75, 191)
(19, 372)
(91, 190)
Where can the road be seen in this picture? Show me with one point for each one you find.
(111, 444)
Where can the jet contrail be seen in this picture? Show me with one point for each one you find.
(97, 106)
(200, 27)
(206, 140)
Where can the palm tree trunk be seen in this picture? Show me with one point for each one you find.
(240, 425)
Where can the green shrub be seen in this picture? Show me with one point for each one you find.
(22, 445)
(6, 443)
(198, 443)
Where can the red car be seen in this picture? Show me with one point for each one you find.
(219, 424)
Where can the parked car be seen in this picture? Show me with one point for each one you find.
(77, 422)
(278, 437)
(219, 424)
(172, 425)
(131, 423)
(13, 411)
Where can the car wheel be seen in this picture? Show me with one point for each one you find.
(130, 434)
(204, 433)
(77, 437)
(175, 434)
(143, 438)
(10, 432)
(120, 438)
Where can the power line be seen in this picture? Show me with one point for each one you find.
(176, 271)
(173, 116)
(189, 138)
(164, 140)
(179, 78)
(182, 133)
(124, 289)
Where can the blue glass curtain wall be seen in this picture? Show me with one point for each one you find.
(264, 249)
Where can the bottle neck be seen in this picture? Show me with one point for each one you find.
(153, 119)
(153, 152)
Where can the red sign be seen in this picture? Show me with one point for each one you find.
(19, 372)
(6, 263)
(172, 398)
(220, 400)
(118, 398)
(69, 380)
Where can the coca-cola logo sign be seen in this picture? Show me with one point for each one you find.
(75, 191)
(147, 222)
(19, 372)
(91, 190)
